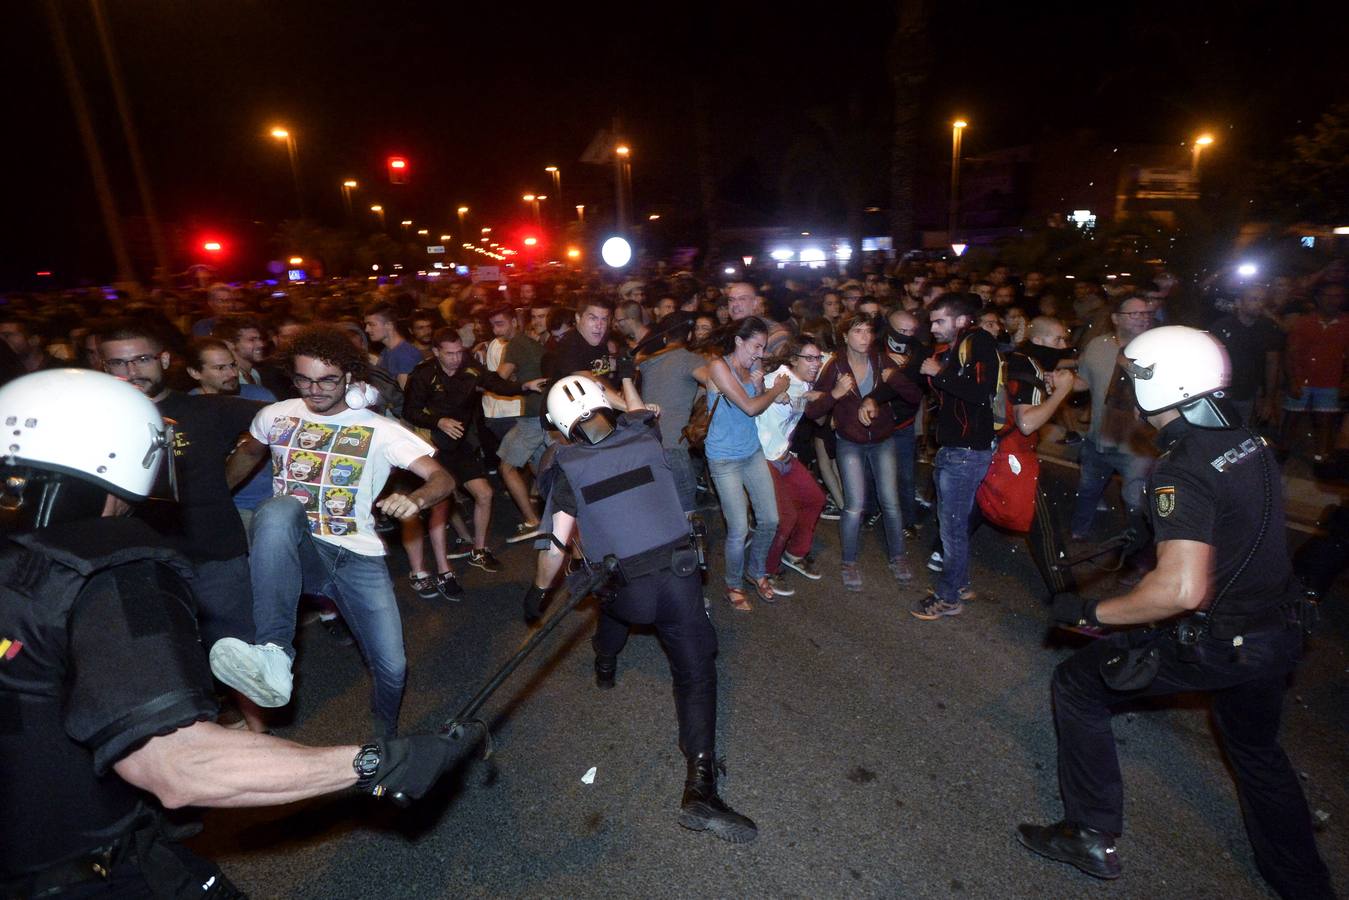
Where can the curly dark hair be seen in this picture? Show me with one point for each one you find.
(326, 344)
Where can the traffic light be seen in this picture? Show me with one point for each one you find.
(398, 170)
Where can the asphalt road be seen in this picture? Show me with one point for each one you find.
(880, 755)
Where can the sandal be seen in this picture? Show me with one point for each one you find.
(764, 588)
(738, 600)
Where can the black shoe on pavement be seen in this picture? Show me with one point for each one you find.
(448, 586)
(1090, 850)
(703, 810)
(484, 560)
(338, 631)
(424, 585)
(524, 531)
(606, 667)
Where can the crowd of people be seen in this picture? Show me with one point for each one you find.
(315, 427)
(817, 398)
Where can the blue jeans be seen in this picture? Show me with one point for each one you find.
(855, 463)
(957, 473)
(734, 479)
(286, 561)
(1097, 467)
(906, 458)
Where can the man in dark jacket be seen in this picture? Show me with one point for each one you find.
(444, 396)
(965, 378)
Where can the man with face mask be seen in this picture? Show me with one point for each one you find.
(905, 346)
(612, 482)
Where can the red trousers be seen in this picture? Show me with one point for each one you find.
(800, 502)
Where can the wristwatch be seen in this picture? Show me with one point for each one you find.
(366, 765)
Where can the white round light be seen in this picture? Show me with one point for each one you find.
(616, 252)
(1247, 270)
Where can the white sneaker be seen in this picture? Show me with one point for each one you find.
(260, 673)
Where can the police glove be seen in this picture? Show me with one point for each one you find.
(410, 766)
(1075, 611)
(625, 367)
(533, 604)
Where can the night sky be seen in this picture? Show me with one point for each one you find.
(480, 101)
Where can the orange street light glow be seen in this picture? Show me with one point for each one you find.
(622, 150)
(528, 198)
(1204, 140)
(349, 183)
(280, 134)
(377, 208)
(550, 168)
(960, 123)
(296, 261)
(463, 209)
(573, 253)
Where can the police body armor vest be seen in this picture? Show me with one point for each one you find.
(40, 764)
(626, 501)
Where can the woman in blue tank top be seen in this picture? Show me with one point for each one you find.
(736, 461)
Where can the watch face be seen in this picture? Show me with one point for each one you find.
(366, 762)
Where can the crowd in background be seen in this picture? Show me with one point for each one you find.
(826, 394)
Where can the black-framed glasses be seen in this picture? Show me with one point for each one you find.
(121, 365)
(807, 357)
(327, 382)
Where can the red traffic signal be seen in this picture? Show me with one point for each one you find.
(398, 170)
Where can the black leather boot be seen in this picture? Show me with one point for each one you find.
(703, 810)
(605, 669)
(1090, 850)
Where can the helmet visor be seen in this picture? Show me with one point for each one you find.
(595, 427)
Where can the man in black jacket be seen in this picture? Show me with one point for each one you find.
(965, 377)
(444, 395)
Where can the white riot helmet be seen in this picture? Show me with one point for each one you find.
(1181, 368)
(578, 403)
(63, 428)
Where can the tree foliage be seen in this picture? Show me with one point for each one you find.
(1310, 183)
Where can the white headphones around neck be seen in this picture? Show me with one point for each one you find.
(360, 395)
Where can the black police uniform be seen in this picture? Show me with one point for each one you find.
(623, 497)
(100, 653)
(1208, 487)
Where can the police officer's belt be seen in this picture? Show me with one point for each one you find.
(659, 559)
(1225, 628)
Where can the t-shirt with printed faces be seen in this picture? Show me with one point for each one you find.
(336, 466)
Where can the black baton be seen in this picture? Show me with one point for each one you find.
(457, 727)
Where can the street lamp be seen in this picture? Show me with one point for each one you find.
(557, 185)
(379, 212)
(957, 127)
(581, 213)
(283, 134)
(533, 200)
(1200, 143)
(347, 187)
(463, 211)
(622, 183)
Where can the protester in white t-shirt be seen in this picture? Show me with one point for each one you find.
(800, 499)
(330, 458)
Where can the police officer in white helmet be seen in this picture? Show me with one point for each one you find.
(612, 483)
(1220, 615)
